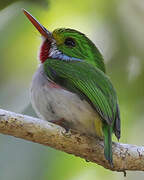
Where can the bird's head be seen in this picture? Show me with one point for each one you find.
(66, 44)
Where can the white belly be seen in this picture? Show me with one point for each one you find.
(53, 103)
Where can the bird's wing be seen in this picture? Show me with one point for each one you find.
(88, 81)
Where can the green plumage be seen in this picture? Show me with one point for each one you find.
(107, 131)
(73, 61)
(85, 49)
(91, 83)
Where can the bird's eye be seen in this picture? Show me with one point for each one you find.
(69, 42)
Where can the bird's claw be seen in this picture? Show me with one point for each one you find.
(66, 132)
(61, 122)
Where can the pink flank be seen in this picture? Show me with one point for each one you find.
(54, 85)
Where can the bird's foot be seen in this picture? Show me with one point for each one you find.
(63, 123)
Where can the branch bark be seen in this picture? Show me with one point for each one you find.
(125, 156)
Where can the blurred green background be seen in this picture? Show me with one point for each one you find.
(117, 28)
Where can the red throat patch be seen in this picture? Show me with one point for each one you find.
(44, 50)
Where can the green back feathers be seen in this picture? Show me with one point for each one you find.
(90, 81)
(85, 49)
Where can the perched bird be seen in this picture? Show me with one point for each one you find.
(70, 87)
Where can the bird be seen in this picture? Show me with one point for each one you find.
(70, 87)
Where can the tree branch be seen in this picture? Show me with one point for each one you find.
(125, 156)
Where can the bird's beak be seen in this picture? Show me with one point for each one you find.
(43, 31)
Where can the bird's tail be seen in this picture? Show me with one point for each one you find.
(107, 131)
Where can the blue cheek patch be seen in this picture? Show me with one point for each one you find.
(65, 57)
